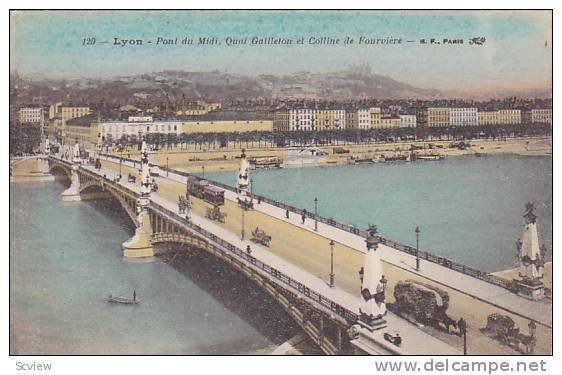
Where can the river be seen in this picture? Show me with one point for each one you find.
(65, 258)
(468, 208)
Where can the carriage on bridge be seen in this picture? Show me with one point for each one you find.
(246, 204)
(259, 236)
(504, 329)
(215, 214)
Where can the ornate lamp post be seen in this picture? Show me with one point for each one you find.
(332, 276)
(316, 214)
(242, 231)
(417, 248)
(167, 167)
(462, 330)
(120, 159)
(203, 170)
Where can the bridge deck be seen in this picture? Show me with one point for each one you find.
(479, 289)
(415, 341)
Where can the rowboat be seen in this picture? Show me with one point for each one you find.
(123, 300)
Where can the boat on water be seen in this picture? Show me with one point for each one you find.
(122, 300)
(429, 157)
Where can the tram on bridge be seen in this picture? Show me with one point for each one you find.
(201, 189)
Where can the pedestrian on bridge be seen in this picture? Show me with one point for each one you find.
(303, 217)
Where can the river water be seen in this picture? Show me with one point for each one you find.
(65, 258)
(468, 208)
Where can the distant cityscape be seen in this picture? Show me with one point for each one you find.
(125, 110)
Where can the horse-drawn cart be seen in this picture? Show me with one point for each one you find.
(259, 236)
(216, 214)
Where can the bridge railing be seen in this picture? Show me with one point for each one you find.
(445, 262)
(297, 286)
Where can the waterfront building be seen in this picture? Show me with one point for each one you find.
(375, 114)
(324, 119)
(389, 121)
(82, 130)
(301, 119)
(488, 118)
(433, 117)
(509, 117)
(339, 117)
(30, 115)
(364, 119)
(541, 116)
(281, 120)
(351, 119)
(463, 116)
(113, 130)
(226, 126)
(408, 121)
(526, 117)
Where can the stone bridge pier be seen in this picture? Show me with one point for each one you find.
(72, 194)
(140, 245)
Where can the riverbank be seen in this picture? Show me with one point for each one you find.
(210, 159)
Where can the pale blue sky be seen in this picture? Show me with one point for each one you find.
(49, 44)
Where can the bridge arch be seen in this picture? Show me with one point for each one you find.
(324, 329)
(95, 189)
(57, 169)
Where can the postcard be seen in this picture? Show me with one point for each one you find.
(281, 182)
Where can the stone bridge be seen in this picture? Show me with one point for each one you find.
(329, 315)
(325, 321)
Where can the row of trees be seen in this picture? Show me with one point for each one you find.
(24, 138)
(329, 137)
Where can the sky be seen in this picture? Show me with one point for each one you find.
(517, 52)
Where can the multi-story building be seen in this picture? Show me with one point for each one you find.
(114, 130)
(463, 116)
(351, 119)
(281, 120)
(30, 115)
(363, 119)
(226, 126)
(301, 119)
(433, 117)
(389, 121)
(59, 114)
(375, 114)
(488, 118)
(541, 116)
(324, 119)
(509, 117)
(408, 121)
(82, 130)
(339, 117)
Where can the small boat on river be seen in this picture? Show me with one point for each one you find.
(126, 301)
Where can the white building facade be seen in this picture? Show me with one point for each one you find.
(138, 126)
(339, 119)
(364, 119)
(541, 115)
(408, 121)
(463, 116)
(30, 115)
(301, 119)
